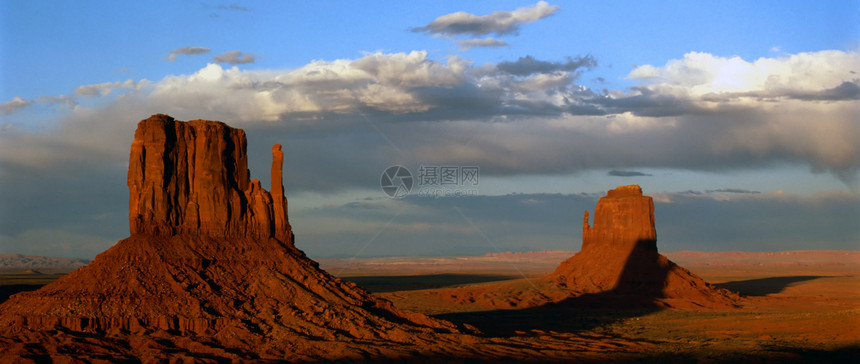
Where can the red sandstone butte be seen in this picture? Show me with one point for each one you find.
(619, 255)
(210, 268)
(192, 178)
(617, 267)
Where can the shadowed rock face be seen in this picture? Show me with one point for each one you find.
(619, 254)
(623, 220)
(192, 178)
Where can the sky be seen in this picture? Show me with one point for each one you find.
(741, 119)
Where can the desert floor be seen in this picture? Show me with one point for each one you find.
(793, 308)
(805, 306)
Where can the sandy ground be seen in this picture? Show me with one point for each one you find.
(799, 307)
(803, 307)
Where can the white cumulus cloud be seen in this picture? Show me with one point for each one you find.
(541, 119)
(699, 74)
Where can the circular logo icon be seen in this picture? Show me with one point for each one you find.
(396, 181)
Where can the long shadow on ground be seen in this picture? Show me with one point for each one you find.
(8, 290)
(582, 313)
(765, 286)
(379, 284)
(776, 355)
(639, 288)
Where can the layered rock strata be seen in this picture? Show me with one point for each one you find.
(192, 178)
(210, 263)
(619, 254)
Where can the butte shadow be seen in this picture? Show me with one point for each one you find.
(394, 283)
(618, 274)
(765, 286)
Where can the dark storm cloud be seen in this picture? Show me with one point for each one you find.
(846, 91)
(348, 119)
(343, 122)
(528, 65)
(732, 190)
(759, 222)
(74, 210)
(529, 222)
(649, 103)
(452, 226)
(498, 22)
(617, 173)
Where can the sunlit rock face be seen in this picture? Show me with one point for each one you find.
(623, 220)
(192, 178)
(619, 255)
(211, 258)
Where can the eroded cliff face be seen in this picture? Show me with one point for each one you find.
(623, 220)
(210, 264)
(619, 255)
(192, 178)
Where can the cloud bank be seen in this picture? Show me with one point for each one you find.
(706, 222)
(617, 173)
(528, 65)
(343, 121)
(701, 112)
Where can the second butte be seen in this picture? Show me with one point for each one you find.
(619, 256)
(618, 265)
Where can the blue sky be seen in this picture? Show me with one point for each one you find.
(744, 109)
(69, 44)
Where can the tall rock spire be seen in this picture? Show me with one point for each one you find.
(279, 202)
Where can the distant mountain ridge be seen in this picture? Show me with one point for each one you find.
(787, 258)
(9, 262)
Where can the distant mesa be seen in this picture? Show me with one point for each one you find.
(210, 267)
(619, 255)
(18, 262)
(618, 265)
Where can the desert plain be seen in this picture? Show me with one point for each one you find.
(797, 306)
